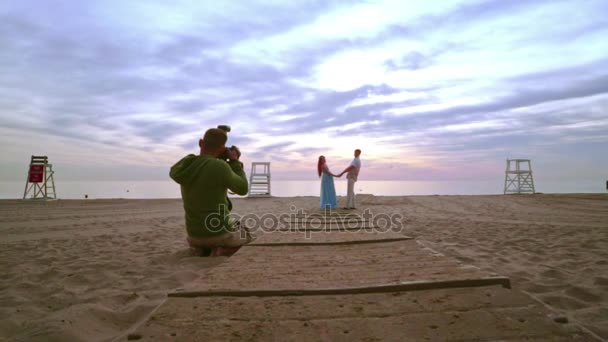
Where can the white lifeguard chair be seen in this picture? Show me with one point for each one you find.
(518, 176)
(40, 183)
(259, 179)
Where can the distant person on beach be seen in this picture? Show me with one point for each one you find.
(205, 180)
(352, 173)
(328, 190)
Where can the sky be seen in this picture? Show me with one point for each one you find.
(428, 90)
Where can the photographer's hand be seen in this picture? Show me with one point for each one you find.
(233, 153)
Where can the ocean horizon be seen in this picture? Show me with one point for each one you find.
(291, 188)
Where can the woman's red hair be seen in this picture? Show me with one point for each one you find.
(320, 165)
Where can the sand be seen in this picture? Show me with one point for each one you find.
(91, 270)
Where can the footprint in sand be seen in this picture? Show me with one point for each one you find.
(562, 302)
(521, 275)
(582, 294)
(540, 288)
(536, 259)
(601, 281)
(555, 274)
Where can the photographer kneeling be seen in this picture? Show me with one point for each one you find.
(205, 180)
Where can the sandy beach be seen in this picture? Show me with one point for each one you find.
(76, 270)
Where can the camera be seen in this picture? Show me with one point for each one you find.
(224, 155)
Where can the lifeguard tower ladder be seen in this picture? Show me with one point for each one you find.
(259, 179)
(40, 183)
(518, 177)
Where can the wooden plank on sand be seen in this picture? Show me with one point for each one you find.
(328, 228)
(347, 266)
(341, 285)
(327, 238)
(327, 220)
(488, 313)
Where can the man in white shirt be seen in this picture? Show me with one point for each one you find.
(352, 173)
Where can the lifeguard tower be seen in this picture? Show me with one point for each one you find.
(40, 183)
(259, 179)
(518, 176)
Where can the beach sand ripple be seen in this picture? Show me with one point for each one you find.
(92, 270)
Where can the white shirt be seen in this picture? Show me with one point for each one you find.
(354, 173)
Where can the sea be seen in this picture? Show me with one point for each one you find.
(289, 188)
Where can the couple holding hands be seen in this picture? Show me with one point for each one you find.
(328, 190)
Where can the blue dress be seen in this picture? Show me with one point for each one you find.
(328, 191)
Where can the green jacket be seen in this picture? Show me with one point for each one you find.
(204, 182)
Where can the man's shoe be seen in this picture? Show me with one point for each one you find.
(224, 251)
(201, 251)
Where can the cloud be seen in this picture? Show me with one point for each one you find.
(442, 83)
(412, 61)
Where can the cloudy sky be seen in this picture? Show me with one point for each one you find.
(427, 89)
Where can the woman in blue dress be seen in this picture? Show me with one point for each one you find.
(328, 191)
